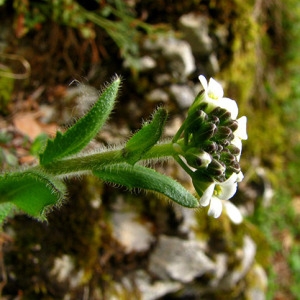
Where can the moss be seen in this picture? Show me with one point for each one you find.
(75, 229)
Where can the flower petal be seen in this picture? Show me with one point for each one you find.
(203, 81)
(215, 208)
(228, 187)
(205, 199)
(230, 105)
(240, 177)
(233, 212)
(215, 90)
(241, 132)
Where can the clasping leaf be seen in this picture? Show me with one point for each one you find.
(84, 130)
(31, 191)
(146, 137)
(137, 176)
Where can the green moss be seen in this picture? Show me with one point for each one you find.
(76, 229)
(6, 89)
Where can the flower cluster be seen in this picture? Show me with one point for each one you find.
(209, 145)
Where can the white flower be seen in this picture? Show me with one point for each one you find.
(213, 89)
(241, 132)
(233, 212)
(216, 206)
(213, 96)
(216, 193)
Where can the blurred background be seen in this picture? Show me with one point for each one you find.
(108, 243)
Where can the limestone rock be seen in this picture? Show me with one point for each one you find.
(130, 233)
(183, 95)
(196, 33)
(179, 259)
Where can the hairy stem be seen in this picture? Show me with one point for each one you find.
(98, 160)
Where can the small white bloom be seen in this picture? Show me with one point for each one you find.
(225, 190)
(233, 212)
(216, 193)
(240, 176)
(230, 105)
(213, 89)
(208, 193)
(237, 142)
(214, 96)
(215, 208)
(241, 132)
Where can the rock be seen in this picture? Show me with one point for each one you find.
(196, 33)
(257, 283)
(221, 33)
(162, 79)
(173, 126)
(143, 64)
(177, 54)
(147, 63)
(179, 259)
(221, 261)
(239, 272)
(183, 95)
(157, 95)
(188, 221)
(212, 65)
(149, 290)
(64, 271)
(130, 233)
(63, 267)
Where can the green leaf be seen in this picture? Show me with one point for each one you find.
(31, 191)
(6, 209)
(146, 137)
(141, 177)
(39, 144)
(85, 129)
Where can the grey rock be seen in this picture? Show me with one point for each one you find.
(222, 33)
(157, 95)
(246, 260)
(143, 64)
(130, 233)
(183, 95)
(221, 261)
(148, 289)
(179, 259)
(162, 79)
(212, 65)
(64, 271)
(257, 284)
(177, 53)
(188, 221)
(196, 33)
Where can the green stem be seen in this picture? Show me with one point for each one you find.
(98, 160)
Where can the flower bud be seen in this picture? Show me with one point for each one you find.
(205, 132)
(216, 168)
(210, 147)
(223, 114)
(198, 158)
(195, 121)
(227, 157)
(232, 124)
(214, 119)
(222, 133)
(234, 150)
(234, 167)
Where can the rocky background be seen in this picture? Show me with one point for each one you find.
(109, 243)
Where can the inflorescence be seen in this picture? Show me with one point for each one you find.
(208, 147)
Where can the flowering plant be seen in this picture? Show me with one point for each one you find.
(207, 146)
